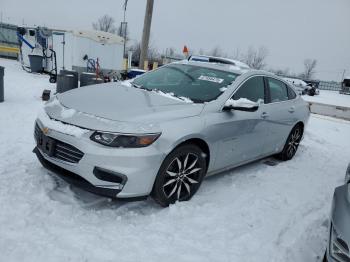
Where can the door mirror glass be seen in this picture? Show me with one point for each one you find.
(242, 104)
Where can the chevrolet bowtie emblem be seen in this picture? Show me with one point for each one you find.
(46, 130)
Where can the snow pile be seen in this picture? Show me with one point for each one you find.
(68, 113)
(242, 102)
(126, 82)
(65, 112)
(59, 126)
(295, 81)
(172, 95)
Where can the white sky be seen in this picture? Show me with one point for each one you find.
(291, 30)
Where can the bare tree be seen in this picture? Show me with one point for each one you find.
(216, 51)
(255, 58)
(309, 69)
(106, 24)
(237, 55)
(121, 31)
(152, 53)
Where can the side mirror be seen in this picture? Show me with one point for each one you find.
(241, 104)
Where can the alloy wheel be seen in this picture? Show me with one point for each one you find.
(182, 177)
(293, 142)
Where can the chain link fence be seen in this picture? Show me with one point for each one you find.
(326, 85)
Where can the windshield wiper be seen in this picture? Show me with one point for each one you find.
(141, 87)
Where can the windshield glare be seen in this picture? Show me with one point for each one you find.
(197, 83)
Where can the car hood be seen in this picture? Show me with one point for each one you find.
(118, 107)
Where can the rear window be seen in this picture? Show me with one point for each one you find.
(200, 84)
(291, 93)
(278, 90)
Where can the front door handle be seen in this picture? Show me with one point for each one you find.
(291, 110)
(264, 115)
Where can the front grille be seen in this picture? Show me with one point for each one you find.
(37, 132)
(67, 152)
(62, 151)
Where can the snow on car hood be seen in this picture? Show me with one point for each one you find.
(118, 108)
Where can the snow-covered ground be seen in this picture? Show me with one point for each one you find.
(330, 98)
(253, 213)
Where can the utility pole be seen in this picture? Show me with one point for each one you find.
(124, 27)
(146, 33)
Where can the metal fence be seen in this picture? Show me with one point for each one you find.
(325, 85)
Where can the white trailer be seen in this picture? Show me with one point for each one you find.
(74, 49)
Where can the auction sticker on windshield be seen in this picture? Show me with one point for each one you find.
(211, 79)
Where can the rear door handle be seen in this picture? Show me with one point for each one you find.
(264, 115)
(291, 110)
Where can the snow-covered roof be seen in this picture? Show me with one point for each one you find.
(203, 58)
(99, 36)
(295, 81)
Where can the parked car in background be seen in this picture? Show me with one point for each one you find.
(162, 133)
(345, 86)
(302, 87)
(338, 247)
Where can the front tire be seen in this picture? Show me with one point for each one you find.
(180, 175)
(292, 143)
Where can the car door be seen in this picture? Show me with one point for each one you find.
(279, 113)
(241, 134)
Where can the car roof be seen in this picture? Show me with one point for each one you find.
(217, 66)
(229, 68)
(218, 60)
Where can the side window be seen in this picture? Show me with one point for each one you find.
(291, 93)
(278, 90)
(252, 89)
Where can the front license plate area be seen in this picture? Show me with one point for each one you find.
(46, 144)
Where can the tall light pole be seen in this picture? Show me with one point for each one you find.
(146, 32)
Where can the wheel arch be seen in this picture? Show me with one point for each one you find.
(300, 123)
(200, 142)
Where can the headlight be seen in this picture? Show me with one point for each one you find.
(339, 250)
(121, 140)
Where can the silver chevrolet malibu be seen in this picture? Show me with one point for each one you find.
(163, 132)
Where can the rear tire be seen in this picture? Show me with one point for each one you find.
(180, 175)
(311, 92)
(52, 79)
(292, 144)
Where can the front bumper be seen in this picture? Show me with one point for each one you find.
(74, 179)
(137, 166)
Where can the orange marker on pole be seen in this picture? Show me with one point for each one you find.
(185, 51)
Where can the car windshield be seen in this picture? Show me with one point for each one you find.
(197, 83)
